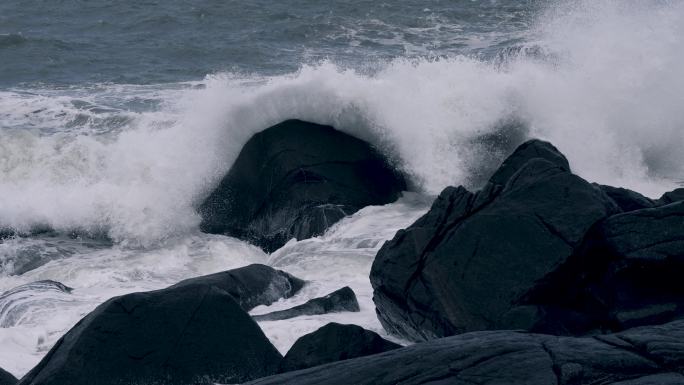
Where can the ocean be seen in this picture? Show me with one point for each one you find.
(118, 118)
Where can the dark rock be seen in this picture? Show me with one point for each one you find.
(6, 378)
(252, 285)
(627, 200)
(331, 343)
(294, 180)
(338, 301)
(17, 302)
(631, 267)
(194, 332)
(635, 357)
(671, 197)
(470, 262)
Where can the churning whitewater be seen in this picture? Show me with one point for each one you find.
(116, 170)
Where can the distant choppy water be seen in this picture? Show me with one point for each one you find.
(69, 42)
(117, 119)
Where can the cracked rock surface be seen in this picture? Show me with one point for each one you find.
(640, 356)
(471, 261)
(193, 332)
(294, 180)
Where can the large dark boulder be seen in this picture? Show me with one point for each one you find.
(6, 378)
(194, 332)
(17, 302)
(331, 343)
(252, 285)
(294, 180)
(338, 301)
(471, 261)
(644, 356)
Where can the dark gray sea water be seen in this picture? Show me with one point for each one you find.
(118, 117)
(68, 42)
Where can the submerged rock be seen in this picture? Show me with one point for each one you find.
(642, 356)
(294, 180)
(470, 262)
(340, 300)
(331, 343)
(6, 378)
(252, 285)
(193, 332)
(41, 295)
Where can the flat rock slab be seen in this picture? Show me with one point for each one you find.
(641, 356)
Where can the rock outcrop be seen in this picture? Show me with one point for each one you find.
(671, 197)
(472, 260)
(338, 301)
(252, 285)
(6, 378)
(193, 332)
(630, 269)
(642, 356)
(627, 200)
(294, 180)
(331, 343)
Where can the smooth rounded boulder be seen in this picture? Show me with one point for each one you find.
(331, 343)
(294, 180)
(651, 355)
(193, 332)
(471, 261)
(251, 286)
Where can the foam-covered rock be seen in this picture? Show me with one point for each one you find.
(296, 179)
(331, 343)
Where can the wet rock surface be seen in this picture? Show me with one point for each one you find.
(331, 343)
(471, 261)
(192, 332)
(338, 301)
(296, 179)
(641, 356)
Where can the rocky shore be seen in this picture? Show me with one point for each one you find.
(540, 277)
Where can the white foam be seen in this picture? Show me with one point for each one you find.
(609, 95)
